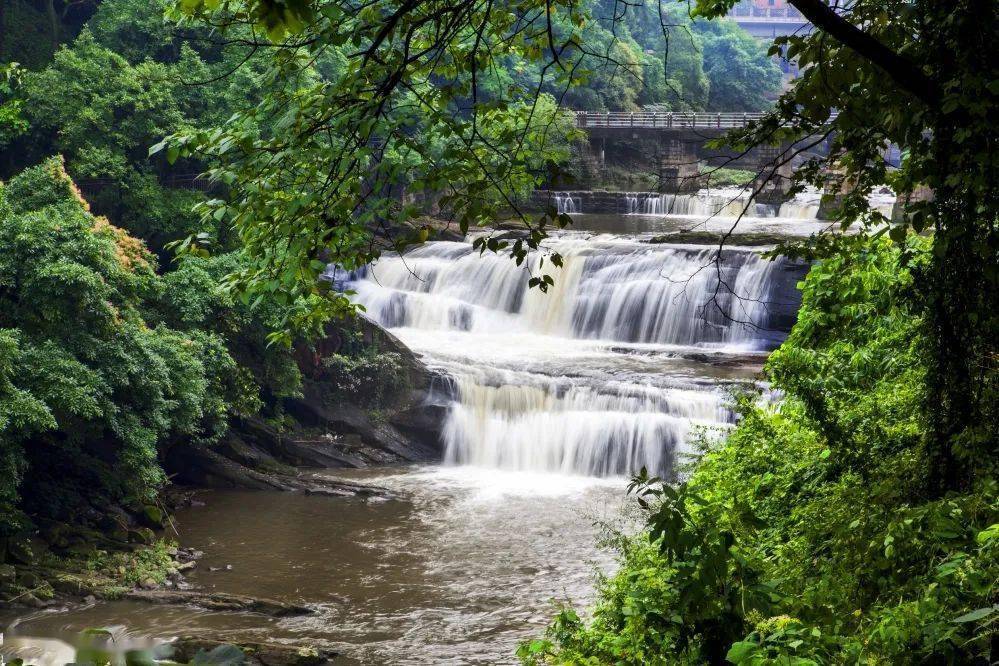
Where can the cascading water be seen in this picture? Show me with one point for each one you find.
(566, 204)
(581, 380)
(728, 202)
(731, 202)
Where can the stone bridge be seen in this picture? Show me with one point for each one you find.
(672, 143)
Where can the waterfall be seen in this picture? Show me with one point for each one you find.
(565, 204)
(614, 290)
(572, 381)
(733, 202)
(803, 206)
(573, 429)
(727, 202)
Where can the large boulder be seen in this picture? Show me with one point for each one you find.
(333, 423)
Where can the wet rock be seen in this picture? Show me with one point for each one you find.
(722, 360)
(403, 426)
(189, 554)
(66, 583)
(265, 654)
(81, 549)
(29, 599)
(329, 492)
(712, 238)
(218, 601)
(114, 518)
(149, 584)
(30, 579)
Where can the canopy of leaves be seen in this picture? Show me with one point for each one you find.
(91, 388)
(920, 76)
(128, 79)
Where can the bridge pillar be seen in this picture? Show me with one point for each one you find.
(588, 156)
(836, 187)
(773, 179)
(678, 170)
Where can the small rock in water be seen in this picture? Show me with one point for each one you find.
(228, 567)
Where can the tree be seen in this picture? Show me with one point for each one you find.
(914, 74)
(917, 75)
(85, 409)
(737, 65)
(325, 184)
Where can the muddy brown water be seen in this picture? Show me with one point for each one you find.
(464, 567)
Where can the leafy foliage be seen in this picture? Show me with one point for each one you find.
(129, 78)
(451, 105)
(86, 406)
(915, 75)
(808, 536)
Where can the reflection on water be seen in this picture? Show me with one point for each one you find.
(458, 572)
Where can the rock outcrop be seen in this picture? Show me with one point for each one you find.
(326, 426)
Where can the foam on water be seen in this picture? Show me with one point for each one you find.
(573, 381)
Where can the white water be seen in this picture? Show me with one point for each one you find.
(566, 204)
(726, 202)
(589, 378)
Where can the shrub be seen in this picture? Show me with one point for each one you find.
(808, 538)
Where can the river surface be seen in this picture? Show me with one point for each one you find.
(555, 399)
(467, 565)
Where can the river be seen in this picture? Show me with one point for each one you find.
(555, 399)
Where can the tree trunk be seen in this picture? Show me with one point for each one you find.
(53, 24)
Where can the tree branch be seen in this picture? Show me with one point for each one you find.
(904, 72)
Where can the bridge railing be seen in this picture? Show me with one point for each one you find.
(664, 119)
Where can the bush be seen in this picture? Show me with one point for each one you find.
(370, 378)
(808, 537)
(91, 389)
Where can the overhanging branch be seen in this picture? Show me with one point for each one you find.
(903, 72)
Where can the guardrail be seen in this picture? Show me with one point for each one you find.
(664, 119)
(669, 119)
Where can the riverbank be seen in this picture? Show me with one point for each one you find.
(458, 567)
(364, 401)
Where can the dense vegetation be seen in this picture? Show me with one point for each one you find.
(105, 363)
(634, 62)
(855, 520)
(810, 534)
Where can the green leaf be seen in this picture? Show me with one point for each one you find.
(977, 614)
(741, 651)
